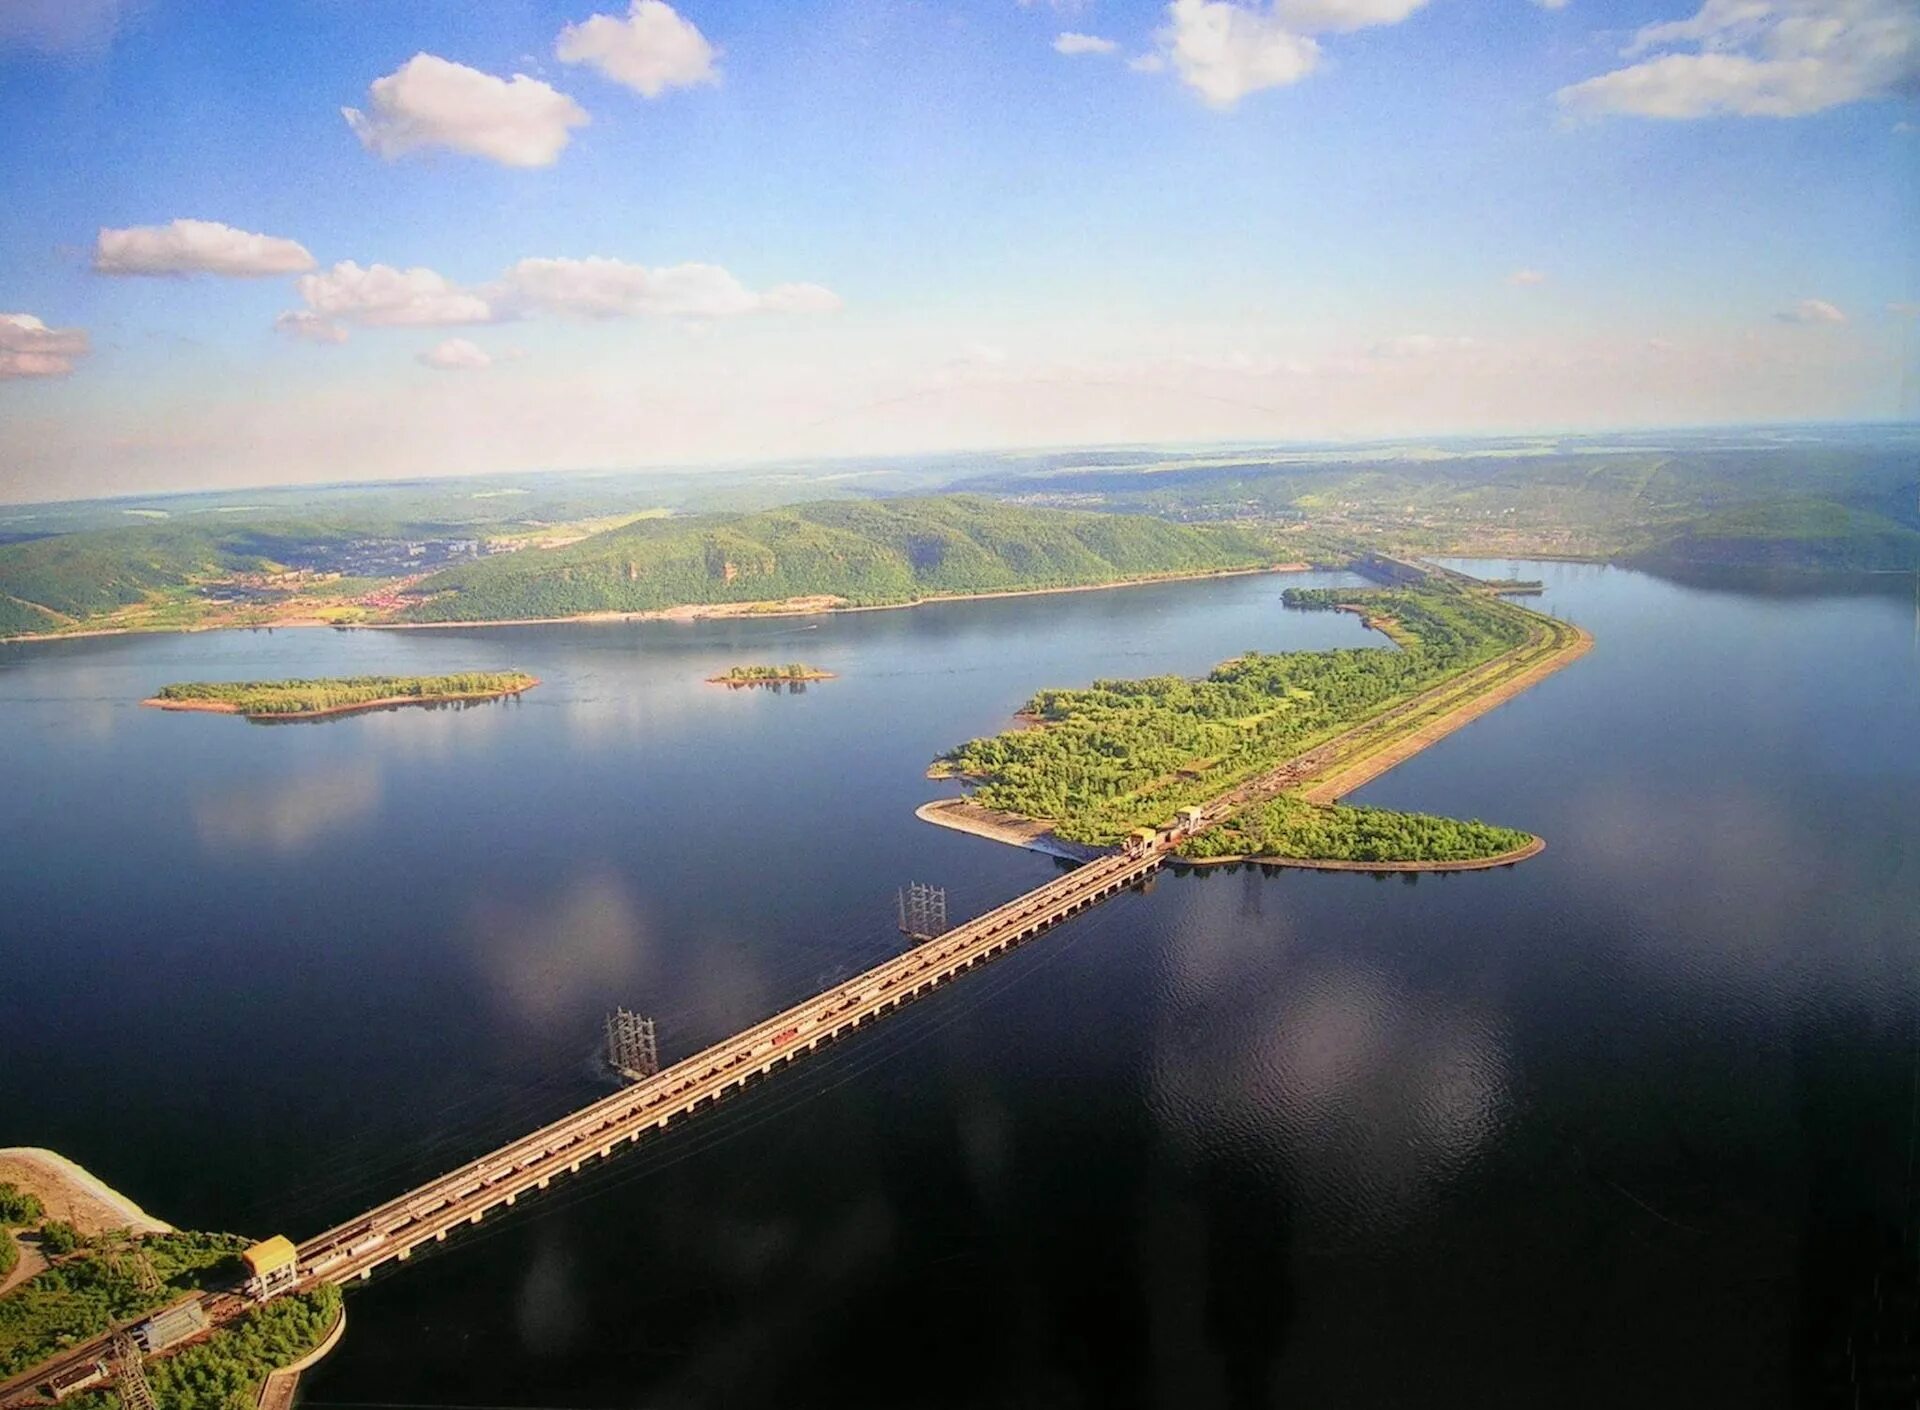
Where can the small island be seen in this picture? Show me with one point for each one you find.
(776, 676)
(313, 699)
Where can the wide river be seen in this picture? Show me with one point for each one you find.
(1632, 1124)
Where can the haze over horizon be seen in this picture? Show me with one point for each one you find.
(249, 249)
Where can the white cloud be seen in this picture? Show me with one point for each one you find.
(597, 287)
(28, 348)
(800, 298)
(1551, 4)
(1527, 278)
(430, 102)
(651, 51)
(1811, 311)
(456, 355)
(1147, 63)
(1761, 58)
(197, 247)
(1225, 51)
(1071, 43)
(1320, 16)
(381, 296)
(309, 327)
(1903, 309)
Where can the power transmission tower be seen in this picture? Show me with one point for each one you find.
(923, 910)
(633, 1049)
(129, 1377)
(126, 1258)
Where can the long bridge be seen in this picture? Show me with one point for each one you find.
(463, 1196)
(428, 1214)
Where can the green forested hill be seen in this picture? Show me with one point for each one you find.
(1792, 533)
(80, 575)
(866, 552)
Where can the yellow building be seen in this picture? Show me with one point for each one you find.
(273, 1266)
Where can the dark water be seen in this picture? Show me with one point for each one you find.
(1633, 1124)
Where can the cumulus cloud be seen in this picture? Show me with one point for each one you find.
(197, 247)
(1071, 43)
(597, 287)
(1225, 51)
(1527, 278)
(1340, 16)
(456, 355)
(309, 327)
(1811, 311)
(651, 51)
(800, 298)
(430, 102)
(28, 348)
(381, 296)
(1760, 58)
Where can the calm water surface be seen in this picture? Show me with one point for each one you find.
(1631, 1124)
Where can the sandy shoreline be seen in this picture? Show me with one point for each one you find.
(1338, 782)
(692, 612)
(73, 1193)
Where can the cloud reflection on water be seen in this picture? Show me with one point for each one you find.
(1371, 1095)
(290, 816)
(582, 947)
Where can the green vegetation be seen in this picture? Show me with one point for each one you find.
(1288, 826)
(226, 1371)
(867, 553)
(17, 1206)
(1836, 498)
(101, 1284)
(59, 1237)
(1787, 533)
(769, 675)
(1122, 754)
(310, 697)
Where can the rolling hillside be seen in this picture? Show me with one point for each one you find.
(873, 552)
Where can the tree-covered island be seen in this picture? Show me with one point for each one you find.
(1119, 755)
(307, 699)
(769, 675)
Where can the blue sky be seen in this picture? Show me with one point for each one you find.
(828, 226)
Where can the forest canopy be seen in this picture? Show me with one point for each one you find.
(1121, 754)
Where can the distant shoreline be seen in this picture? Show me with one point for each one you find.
(687, 612)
